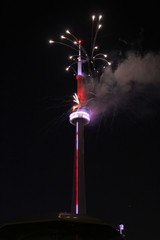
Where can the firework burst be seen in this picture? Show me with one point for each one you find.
(94, 62)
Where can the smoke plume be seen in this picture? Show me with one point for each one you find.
(133, 86)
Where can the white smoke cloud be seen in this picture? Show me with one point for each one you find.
(144, 69)
(135, 83)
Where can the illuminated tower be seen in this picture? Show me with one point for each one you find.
(79, 117)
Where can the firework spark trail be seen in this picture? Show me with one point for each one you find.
(64, 44)
(75, 98)
(97, 29)
(93, 18)
(52, 104)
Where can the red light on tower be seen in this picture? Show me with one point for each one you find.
(81, 89)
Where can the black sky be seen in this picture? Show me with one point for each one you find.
(37, 147)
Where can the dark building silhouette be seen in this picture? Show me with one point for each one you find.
(57, 227)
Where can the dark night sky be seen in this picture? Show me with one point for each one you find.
(37, 146)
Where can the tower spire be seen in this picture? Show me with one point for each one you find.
(80, 79)
(79, 60)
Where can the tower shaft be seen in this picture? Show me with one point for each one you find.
(79, 196)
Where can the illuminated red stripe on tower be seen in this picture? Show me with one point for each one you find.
(81, 89)
(76, 167)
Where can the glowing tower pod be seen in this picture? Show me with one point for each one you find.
(80, 114)
(79, 118)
